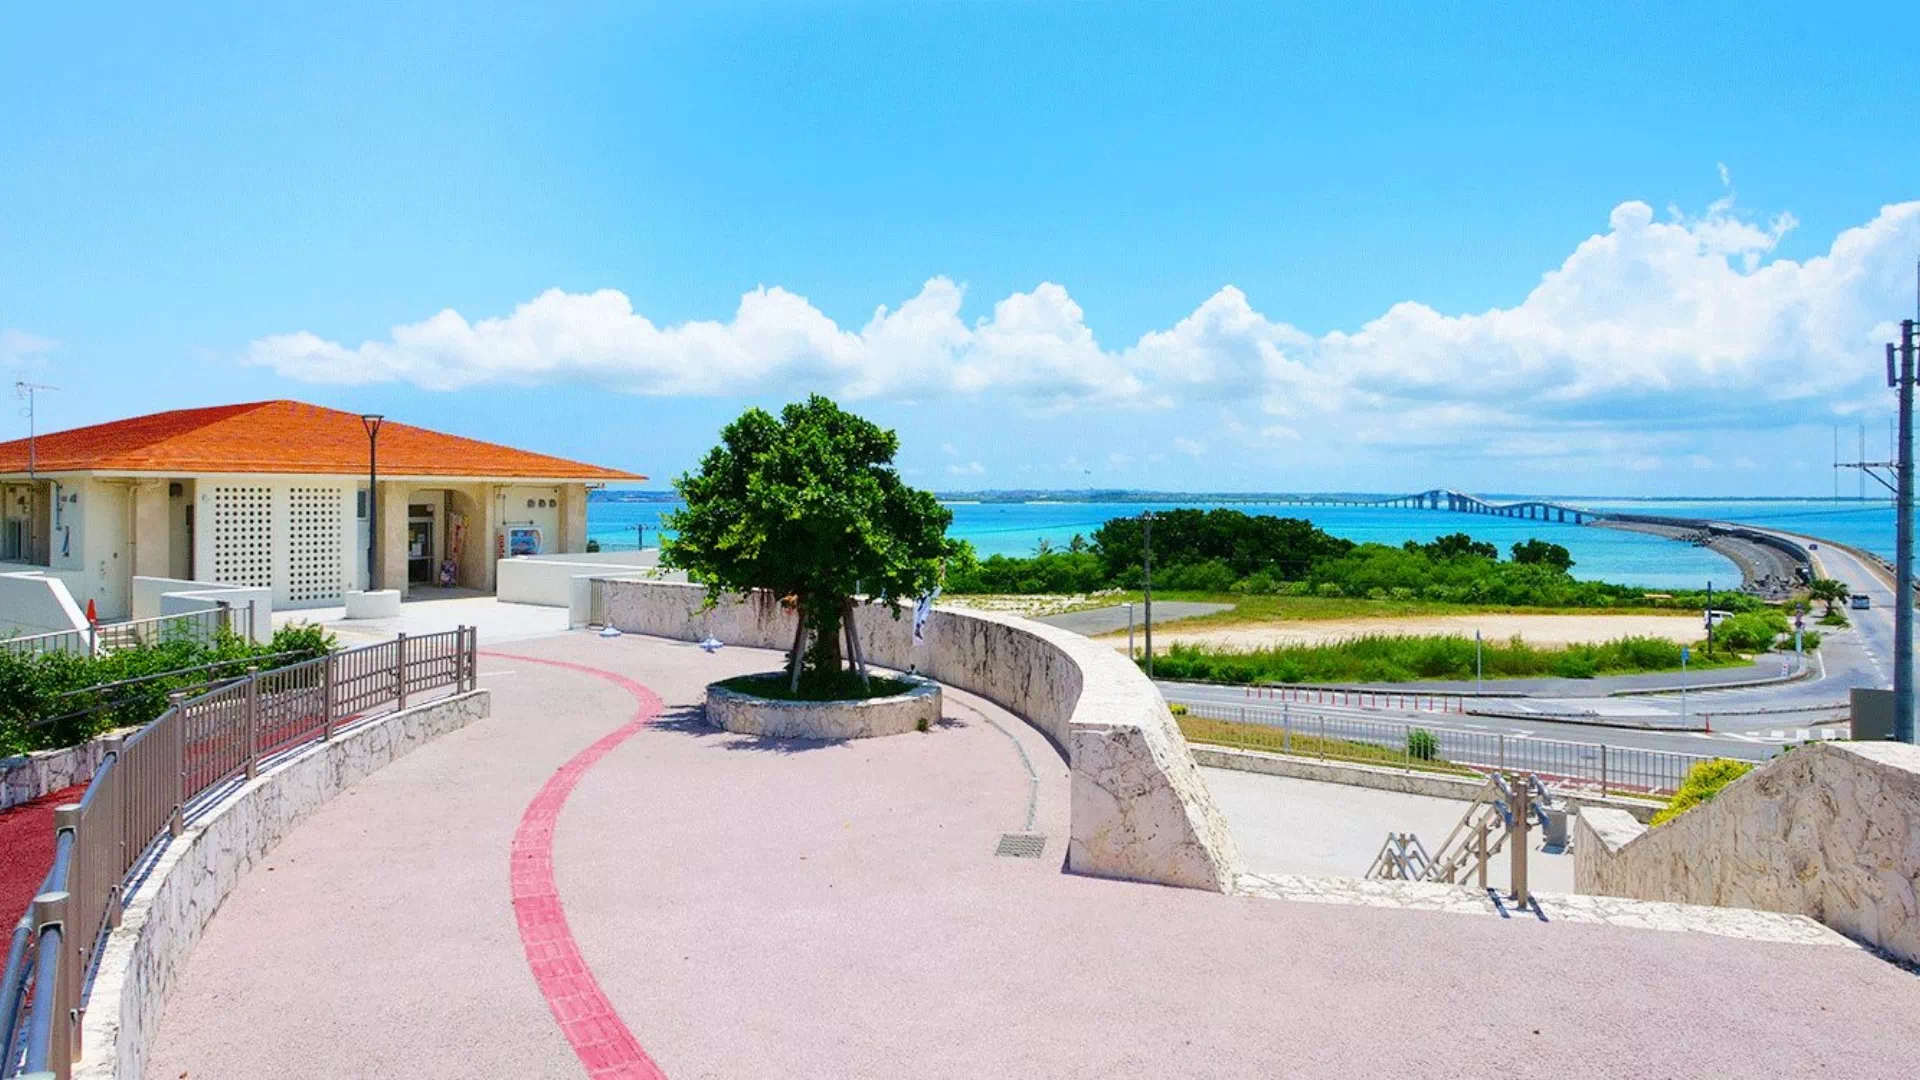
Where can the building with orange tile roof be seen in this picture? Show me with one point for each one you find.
(272, 499)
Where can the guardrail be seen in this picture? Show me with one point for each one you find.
(1608, 769)
(150, 783)
(203, 625)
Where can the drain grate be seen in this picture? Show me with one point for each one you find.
(1022, 845)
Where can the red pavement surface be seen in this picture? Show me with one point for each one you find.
(762, 909)
(26, 851)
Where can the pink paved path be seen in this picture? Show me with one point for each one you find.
(785, 910)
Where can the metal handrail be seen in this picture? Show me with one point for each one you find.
(139, 798)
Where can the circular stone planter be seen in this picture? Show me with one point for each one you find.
(864, 719)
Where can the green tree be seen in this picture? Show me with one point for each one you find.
(809, 507)
(1541, 553)
(1455, 546)
(1829, 592)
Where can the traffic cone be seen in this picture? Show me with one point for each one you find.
(92, 616)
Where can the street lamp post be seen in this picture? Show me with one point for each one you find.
(372, 422)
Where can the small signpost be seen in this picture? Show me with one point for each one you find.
(1685, 653)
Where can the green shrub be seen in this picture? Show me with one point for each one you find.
(592, 546)
(1752, 631)
(1702, 783)
(44, 703)
(1575, 664)
(1421, 744)
(1329, 590)
(1177, 709)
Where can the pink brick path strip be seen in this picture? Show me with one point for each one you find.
(598, 1036)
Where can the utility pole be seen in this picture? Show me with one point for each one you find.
(1146, 547)
(1903, 719)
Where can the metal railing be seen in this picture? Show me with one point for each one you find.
(1611, 770)
(204, 625)
(144, 790)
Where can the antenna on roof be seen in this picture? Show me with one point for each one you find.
(25, 391)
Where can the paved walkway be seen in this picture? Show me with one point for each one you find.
(720, 906)
(1110, 620)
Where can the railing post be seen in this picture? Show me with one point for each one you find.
(1480, 840)
(400, 670)
(1323, 738)
(253, 628)
(116, 819)
(1603, 770)
(50, 913)
(177, 702)
(1517, 848)
(1503, 753)
(1286, 729)
(326, 698)
(253, 721)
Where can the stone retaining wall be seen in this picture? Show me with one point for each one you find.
(165, 918)
(29, 776)
(1140, 808)
(1830, 830)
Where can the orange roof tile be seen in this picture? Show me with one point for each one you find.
(281, 437)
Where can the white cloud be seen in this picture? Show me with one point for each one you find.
(18, 346)
(1193, 448)
(1647, 327)
(971, 468)
(1119, 460)
(1700, 461)
(949, 449)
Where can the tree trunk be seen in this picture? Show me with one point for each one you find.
(859, 652)
(799, 640)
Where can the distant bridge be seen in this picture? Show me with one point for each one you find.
(1460, 502)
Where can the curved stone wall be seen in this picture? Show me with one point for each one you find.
(165, 917)
(1140, 808)
(1830, 830)
(773, 718)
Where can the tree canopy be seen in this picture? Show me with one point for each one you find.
(809, 507)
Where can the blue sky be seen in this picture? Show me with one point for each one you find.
(1637, 251)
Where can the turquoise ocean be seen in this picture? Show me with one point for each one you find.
(997, 528)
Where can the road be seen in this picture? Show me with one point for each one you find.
(1749, 722)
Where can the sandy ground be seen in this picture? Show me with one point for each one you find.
(1536, 629)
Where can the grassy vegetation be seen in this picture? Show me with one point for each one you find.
(839, 686)
(1702, 783)
(1227, 551)
(1380, 658)
(1269, 737)
(45, 698)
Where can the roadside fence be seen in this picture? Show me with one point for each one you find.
(1605, 769)
(1410, 701)
(151, 782)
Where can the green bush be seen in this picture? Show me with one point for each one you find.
(1702, 783)
(44, 703)
(1834, 617)
(1395, 658)
(1177, 709)
(1752, 631)
(1328, 589)
(1421, 744)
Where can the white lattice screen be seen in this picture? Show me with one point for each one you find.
(313, 549)
(243, 536)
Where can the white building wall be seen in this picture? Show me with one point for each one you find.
(291, 536)
(532, 505)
